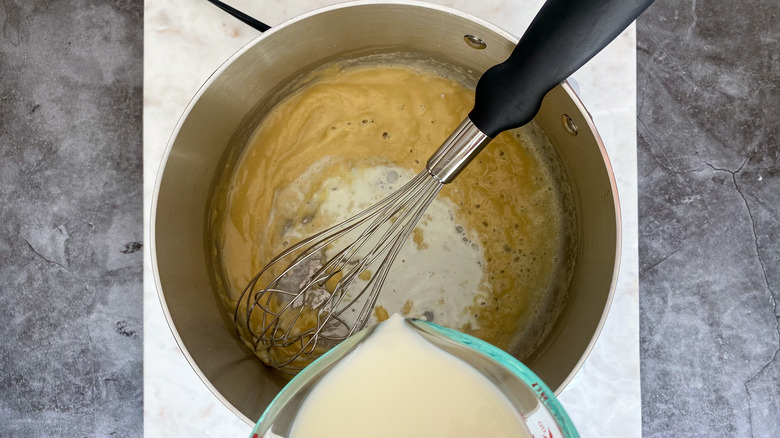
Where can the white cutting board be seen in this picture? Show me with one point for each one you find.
(186, 40)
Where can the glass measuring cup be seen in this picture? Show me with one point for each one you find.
(533, 400)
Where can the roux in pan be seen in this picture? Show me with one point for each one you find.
(490, 257)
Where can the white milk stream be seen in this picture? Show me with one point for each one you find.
(397, 385)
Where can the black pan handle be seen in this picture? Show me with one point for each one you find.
(564, 35)
(257, 24)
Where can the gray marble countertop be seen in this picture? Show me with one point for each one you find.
(709, 199)
(71, 218)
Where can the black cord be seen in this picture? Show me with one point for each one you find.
(259, 25)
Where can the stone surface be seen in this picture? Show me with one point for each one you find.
(71, 202)
(70, 219)
(709, 198)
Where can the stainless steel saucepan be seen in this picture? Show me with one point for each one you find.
(229, 106)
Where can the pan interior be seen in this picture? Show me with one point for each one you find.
(491, 257)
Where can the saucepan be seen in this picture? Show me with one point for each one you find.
(228, 107)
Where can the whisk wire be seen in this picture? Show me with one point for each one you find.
(382, 231)
(431, 191)
(392, 231)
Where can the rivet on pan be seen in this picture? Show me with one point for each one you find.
(568, 125)
(474, 42)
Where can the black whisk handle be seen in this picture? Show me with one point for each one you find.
(564, 35)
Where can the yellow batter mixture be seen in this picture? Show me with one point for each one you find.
(510, 200)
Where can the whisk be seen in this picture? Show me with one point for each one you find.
(323, 289)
